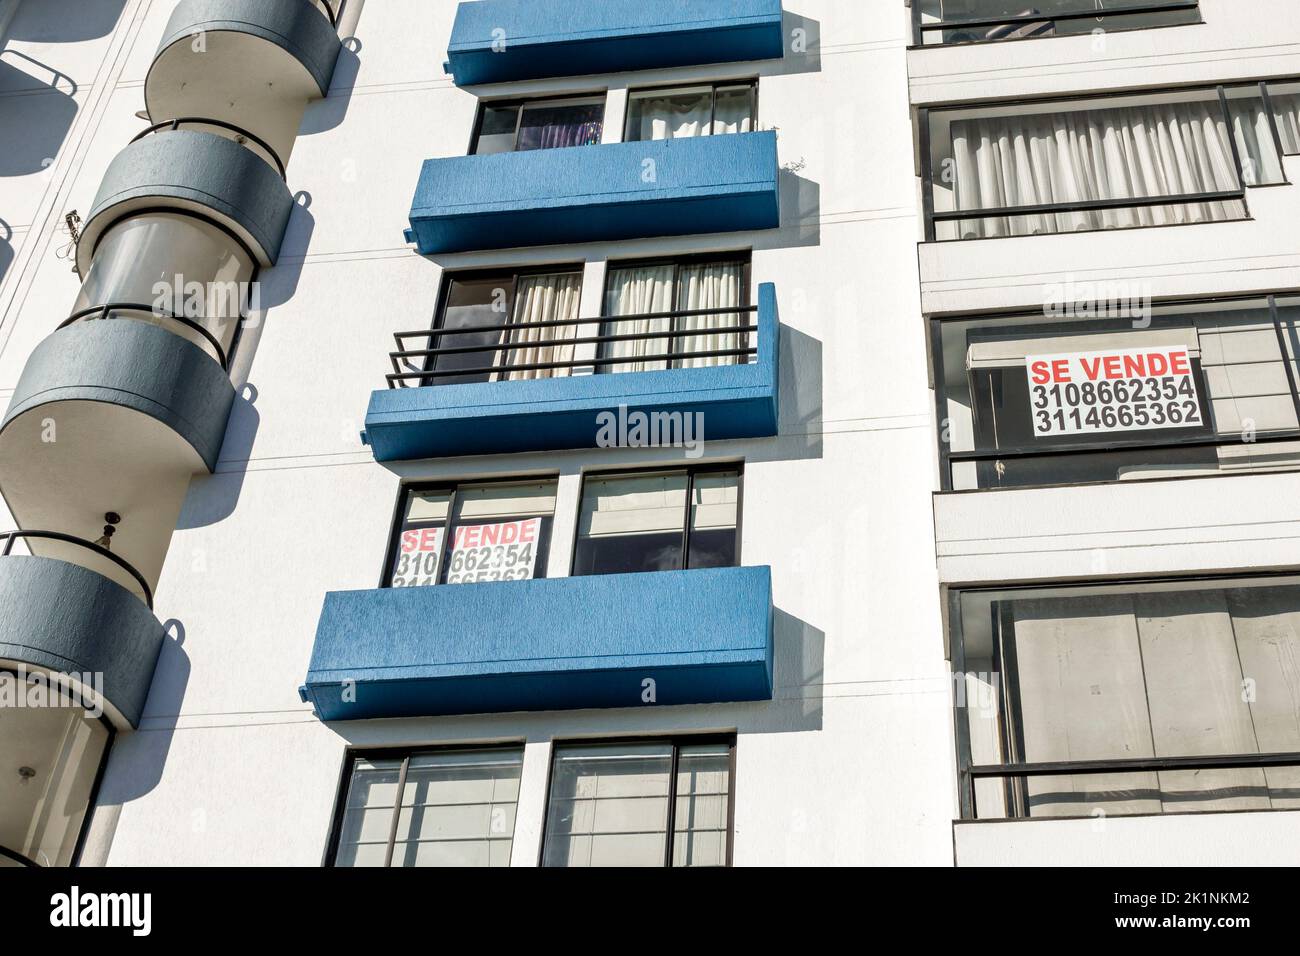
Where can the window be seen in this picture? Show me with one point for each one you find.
(972, 21)
(471, 533)
(654, 304)
(1118, 162)
(456, 808)
(678, 112)
(629, 803)
(51, 757)
(1170, 695)
(538, 124)
(1233, 406)
(659, 521)
(494, 327)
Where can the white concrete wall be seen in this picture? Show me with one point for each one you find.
(851, 763)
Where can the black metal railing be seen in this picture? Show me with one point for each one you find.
(502, 363)
(1073, 768)
(240, 133)
(107, 312)
(17, 857)
(998, 28)
(327, 7)
(8, 538)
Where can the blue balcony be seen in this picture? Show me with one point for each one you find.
(437, 421)
(496, 41)
(702, 636)
(597, 193)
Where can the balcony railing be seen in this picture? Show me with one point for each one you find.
(240, 135)
(728, 321)
(327, 7)
(988, 21)
(122, 310)
(8, 538)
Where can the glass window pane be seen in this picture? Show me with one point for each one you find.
(553, 126)
(1115, 672)
(1041, 19)
(368, 813)
(458, 809)
(631, 523)
(497, 130)
(1252, 127)
(669, 114)
(501, 532)
(472, 303)
(421, 539)
(714, 503)
(733, 110)
(608, 805)
(700, 821)
(1285, 98)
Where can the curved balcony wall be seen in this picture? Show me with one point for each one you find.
(252, 62)
(193, 171)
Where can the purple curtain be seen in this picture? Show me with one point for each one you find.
(561, 126)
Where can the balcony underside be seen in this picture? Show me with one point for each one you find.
(700, 636)
(496, 41)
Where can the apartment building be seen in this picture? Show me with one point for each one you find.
(761, 432)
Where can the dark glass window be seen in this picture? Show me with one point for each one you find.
(469, 533)
(658, 521)
(972, 21)
(539, 124)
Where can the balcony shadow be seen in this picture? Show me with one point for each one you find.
(329, 113)
(280, 283)
(801, 206)
(799, 431)
(44, 114)
(213, 498)
(65, 21)
(6, 248)
(803, 46)
(136, 764)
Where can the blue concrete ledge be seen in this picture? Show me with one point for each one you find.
(702, 636)
(437, 421)
(495, 41)
(597, 193)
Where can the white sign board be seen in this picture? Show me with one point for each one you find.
(503, 551)
(1120, 390)
(417, 561)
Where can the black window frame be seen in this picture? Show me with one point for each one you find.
(610, 324)
(751, 81)
(920, 28)
(968, 772)
(677, 741)
(523, 102)
(92, 798)
(403, 752)
(1100, 444)
(691, 470)
(451, 486)
(932, 217)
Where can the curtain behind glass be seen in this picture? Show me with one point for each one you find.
(545, 298)
(555, 127)
(1099, 154)
(709, 286)
(640, 290)
(671, 115)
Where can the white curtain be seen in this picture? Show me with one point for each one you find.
(639, 291)
(1286, 111)
(675, 116)
(665, 288)
(545, 298)
(733, 111)
(1085, 155)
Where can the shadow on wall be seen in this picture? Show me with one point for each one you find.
(329, 113)
(799, 431)
(137, 760)
(43, 110)
(65, 21)
(803, 45)
(6, 248)
(213, 498)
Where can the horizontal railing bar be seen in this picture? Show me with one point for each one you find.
(10, 536)
(588, 340)
(177, 122)
(157, 313)
(18, 857)
(1232, 438)
(1010, 212)
(575, 363)
(556, 323)
(1131, 764)
(1047, 17)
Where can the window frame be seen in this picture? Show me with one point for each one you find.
(751, 81)
(743, 256)
(405, 752)
(919, 28)
(451, 486)
(523, 102)
(1098, 444)
(925, 143)
(691, 472)
(91, 799)
(968, 772)
(677, 741)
